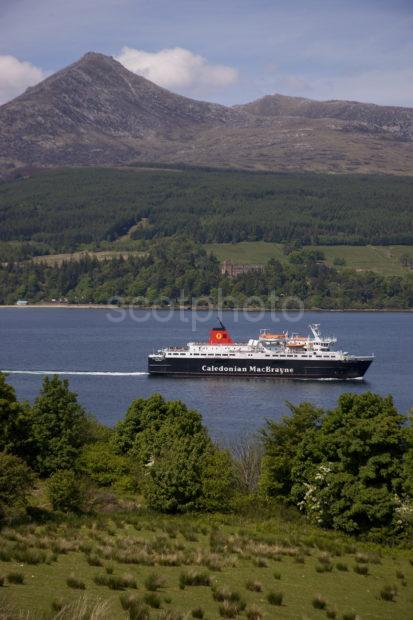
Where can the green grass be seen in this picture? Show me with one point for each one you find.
(150, 553)
(381, 259)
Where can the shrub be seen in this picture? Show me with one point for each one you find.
(73, 582)
(101, 464)
(198, 612)
(64, 491)
(254, 586)
(388, 593)
(152, 599)
(319, 602)
(275, 598)
(153, 582)
(331, 613)
(14, 577)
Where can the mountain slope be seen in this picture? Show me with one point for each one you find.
(393, 120)
(97, 112)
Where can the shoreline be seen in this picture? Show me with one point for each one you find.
(46, 306)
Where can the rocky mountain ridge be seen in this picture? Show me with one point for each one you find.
(97, 112)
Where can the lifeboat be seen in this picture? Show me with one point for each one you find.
(266, 335)
(297, 342)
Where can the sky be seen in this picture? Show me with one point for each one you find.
(226, 51)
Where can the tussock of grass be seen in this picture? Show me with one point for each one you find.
(115, 582)
(154, 581)
(388, 593)
(254, 613)
(15, 577)
(77, 584)
(342, 566)
(319, 602)
(361, 569)
(194, 578)
(152, 599)
(275, 598)
(253, 586)
(198, 612)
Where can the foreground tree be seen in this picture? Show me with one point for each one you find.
(65, 491)
(15, 422)
(59, 427)
(349, 468)
(281, 441)
(182, 469)
(16, 480)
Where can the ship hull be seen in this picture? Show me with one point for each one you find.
(354, 368)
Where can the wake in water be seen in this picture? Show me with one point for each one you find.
(94, 373)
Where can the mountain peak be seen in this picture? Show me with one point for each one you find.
(95, 111)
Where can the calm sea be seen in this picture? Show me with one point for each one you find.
(105, 361)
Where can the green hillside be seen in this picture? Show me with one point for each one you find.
(385, 260)
(66, 208)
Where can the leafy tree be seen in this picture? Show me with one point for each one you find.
(99, 462)
(15, 422)
(65, 491)
(281, 441)
(16, 480)
(217, 480)
(348, 472)
(180, 465)
(59, 427)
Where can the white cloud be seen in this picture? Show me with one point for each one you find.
(16, 76)
(177, 68)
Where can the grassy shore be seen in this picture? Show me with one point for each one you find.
(221, 565)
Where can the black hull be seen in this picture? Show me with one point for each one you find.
(276, 369)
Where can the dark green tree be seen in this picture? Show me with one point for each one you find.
(180, 465)
(16, 480)
(281, 441)
(15, 422)
(65, 491)
(60, 427)
(348, 472)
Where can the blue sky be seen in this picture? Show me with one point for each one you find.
(229, 51)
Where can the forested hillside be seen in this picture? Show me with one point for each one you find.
(177, 267)
(69, 207)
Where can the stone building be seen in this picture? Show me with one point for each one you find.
(232, 271)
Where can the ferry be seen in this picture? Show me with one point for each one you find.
(269, 355)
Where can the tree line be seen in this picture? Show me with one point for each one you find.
(68, 208)
(349, 468)
(174, 265)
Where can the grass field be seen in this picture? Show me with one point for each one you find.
(381, 259)
(245, 566)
